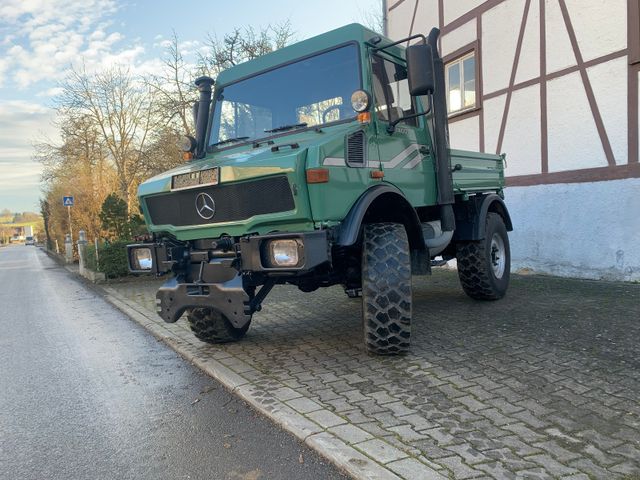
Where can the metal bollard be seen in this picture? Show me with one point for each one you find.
(68, 248)
(82, 250)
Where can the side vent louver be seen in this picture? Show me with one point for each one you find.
(356, 148)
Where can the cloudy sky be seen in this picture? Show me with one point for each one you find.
(40, 39)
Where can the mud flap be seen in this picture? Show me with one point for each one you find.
(229, 298)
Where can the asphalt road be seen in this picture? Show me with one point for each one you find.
(87, 393)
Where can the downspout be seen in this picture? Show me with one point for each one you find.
(385, 19)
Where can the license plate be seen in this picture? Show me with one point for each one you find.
(195, 179)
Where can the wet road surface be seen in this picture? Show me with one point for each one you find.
(87, 393)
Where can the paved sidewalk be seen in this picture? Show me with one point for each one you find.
(542, 384)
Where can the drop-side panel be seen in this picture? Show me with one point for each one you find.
(479, 172)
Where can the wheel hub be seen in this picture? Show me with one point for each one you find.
(498, 254)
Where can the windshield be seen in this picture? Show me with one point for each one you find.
(306, 93)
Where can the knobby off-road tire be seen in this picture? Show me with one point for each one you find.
(211, 326)
(484, 266)
(386, 289)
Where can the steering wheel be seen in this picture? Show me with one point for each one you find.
(328, 110)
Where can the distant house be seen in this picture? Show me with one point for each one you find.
(554, 85)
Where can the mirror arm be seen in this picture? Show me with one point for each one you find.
(392, 126)
(417, 35)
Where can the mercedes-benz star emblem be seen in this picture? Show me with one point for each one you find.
(205, 206)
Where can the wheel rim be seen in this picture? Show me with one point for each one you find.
(498, 255)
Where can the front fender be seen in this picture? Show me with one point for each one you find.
(396, 208)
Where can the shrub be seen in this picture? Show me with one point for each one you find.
(114, 217)
(112, 259)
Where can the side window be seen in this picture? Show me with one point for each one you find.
(391, 91)
(460, 75)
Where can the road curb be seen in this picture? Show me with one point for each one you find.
(345, 457)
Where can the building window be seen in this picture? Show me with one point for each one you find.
(460, 75)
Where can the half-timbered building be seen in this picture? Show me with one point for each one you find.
(554, 85)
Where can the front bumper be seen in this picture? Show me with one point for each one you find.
(229, 298)
(226, 281)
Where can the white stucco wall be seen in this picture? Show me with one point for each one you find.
(588, 230)
(573, 137)
(499, 43)
(459, 38)
(522, 133)
(456, 8)
(465, 134)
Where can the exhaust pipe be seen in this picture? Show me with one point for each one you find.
(201, 112)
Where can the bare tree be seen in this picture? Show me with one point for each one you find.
(243, 44)
(80, 166)
(174, 89)
(373, 18)
(122, 110)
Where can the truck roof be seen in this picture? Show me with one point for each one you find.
(353, 32)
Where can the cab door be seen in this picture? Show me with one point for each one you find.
(406, 155)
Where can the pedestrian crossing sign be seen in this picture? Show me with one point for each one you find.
(67, 201)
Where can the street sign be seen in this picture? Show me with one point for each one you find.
(67, 201)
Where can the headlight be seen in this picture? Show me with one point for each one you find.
(141, 259)
(360, 101)
(187, 143)
(284, 253)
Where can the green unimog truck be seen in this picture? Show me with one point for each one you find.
(324, 163)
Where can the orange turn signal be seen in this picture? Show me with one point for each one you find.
(364, 117)
(377, 174)
(186, 156)
(317, 175)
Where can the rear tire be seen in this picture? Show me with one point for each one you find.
(484, 266)
(386, 289)
(211, 326)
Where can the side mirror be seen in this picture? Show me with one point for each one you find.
(420, 70)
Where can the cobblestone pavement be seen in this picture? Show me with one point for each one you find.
(542, 384)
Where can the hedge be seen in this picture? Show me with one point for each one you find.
(112, 259)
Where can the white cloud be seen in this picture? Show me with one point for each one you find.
(21, 124)
(43, 38)
(50, 92)
(39, 41)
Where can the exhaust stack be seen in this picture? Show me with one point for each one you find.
(204, 85)
(441, 133)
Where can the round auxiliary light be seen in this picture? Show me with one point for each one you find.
(360, 101)
(186, 143)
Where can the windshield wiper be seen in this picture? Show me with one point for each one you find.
(228, 140)
(286, 127)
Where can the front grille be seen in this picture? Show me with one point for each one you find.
(356, 150)
(233, 202)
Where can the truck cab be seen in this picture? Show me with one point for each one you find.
(323, 163)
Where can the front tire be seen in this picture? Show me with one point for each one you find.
(484, 266)
(386, 289)
(211, 326)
